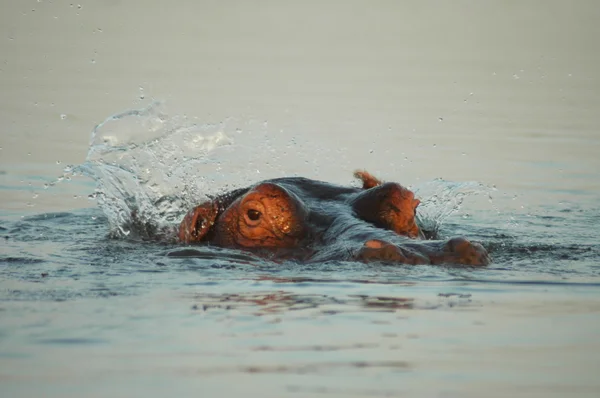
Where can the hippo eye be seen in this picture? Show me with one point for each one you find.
(253, 215)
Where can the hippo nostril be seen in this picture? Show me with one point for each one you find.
(253, 215)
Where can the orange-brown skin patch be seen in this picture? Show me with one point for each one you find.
(389, 206)
(198, 222)
(461, 251)
(454, 251)
(267, 216)
(368, 180)
(378, 250)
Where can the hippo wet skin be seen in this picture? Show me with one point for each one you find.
(310, 220)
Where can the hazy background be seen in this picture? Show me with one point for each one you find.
(506, 93)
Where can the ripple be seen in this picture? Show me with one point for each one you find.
(21, 260)
(300, 368)
(71, 341)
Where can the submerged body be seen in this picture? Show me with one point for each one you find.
(305, 219)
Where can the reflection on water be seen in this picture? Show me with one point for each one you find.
(305, 368)
(281, 301)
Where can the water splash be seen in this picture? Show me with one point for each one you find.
(149, 168)
(440, 199)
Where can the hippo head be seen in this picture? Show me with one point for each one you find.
(312, 219)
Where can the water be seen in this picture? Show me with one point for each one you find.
(87, 286)
(495, 128)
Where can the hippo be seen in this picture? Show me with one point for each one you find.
(307, 220)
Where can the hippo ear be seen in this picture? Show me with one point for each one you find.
(416, 203)
(368, 180)
(198, 222)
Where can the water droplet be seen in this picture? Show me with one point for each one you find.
(93, 61)
(63, 116)
(58, 162)
(35, 196)
(142, 95)
(441, 119)
(434, 145)
(464, 154)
